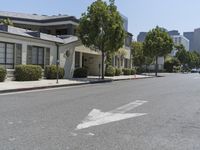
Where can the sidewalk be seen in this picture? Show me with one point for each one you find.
(15, 86)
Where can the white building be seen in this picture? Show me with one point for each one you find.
(41, 40)
(178, 40)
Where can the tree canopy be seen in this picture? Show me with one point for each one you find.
(137, 53)
(101, 27)
(157, 43)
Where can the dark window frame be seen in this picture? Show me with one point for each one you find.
(5, 56)
(37, 56)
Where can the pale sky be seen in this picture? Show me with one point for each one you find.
(143, 15)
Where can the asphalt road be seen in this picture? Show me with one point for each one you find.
(47, 120)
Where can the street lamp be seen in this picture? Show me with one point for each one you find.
(57, 63)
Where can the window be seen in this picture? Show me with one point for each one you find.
(126, 63)
(77, 59)
(47, 56)
(18, 55)
(7, 55)
(38, 55)
(61, 32)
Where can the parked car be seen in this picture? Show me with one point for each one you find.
(194, 70)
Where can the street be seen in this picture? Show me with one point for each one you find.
(149, 114)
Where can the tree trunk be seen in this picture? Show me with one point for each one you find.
(156, 67)
(102, 66)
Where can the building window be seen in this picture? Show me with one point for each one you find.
(18, 54)
(47, 56)
(77, 59)
(126, 63)
(38, 55)
(61, 32)
(7, 55)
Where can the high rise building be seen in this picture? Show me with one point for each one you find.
(141, 37)
(194, 38)
(189, 36)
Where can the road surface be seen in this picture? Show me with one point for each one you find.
(150, 114)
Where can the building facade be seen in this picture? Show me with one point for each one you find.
(35, 39)
(194, 38)
(180, 40)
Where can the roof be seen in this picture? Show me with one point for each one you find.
(14, 16)
(30, 16)
(36, 35)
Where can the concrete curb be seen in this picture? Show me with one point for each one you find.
(67, 85)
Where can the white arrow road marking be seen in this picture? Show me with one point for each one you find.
(97, 117)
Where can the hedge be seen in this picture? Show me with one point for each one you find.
(140, 70)
(51, 72)
(80, 73)
(118, 71)
(3, 74)
(133, 71)
(110, 71)
(28, 72)
(126, 71)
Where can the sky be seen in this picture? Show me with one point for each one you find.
(143, 15)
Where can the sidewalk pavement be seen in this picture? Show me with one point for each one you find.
(16, 86)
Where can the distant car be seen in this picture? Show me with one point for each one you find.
(194, 70)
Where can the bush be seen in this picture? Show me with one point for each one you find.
(51, 72)
(118, 71)
(80, 73)
(133, 71)
(110, 71)
(170, 64)
(140, 70)
(27, 72)
(2, 74)
(177, 69)
(126, 71)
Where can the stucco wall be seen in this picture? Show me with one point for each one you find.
(29, 41)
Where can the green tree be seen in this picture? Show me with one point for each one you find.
(137, 54)
(171, 63)
(157, 43)
(183, 55)
(101, 27)
(6, 22)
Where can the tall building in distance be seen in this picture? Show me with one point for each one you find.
(173, 32)
(180, 40)
(177, 39)
(189, 36)
(125, 21)
(141, 37)
(194, 38)
(197, 40)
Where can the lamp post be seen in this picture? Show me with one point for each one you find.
(57, 63)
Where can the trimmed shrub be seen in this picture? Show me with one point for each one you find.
(80, 73)
(110, 71)
(170, 64)
(3, 73)
(118, 71)
(28, 72)
(140, 70)
(51, 72)
(126, 71)
(133, 71)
